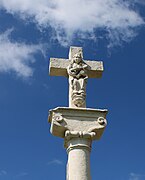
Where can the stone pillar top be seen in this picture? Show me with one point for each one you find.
(78, 71)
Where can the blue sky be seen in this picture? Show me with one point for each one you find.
(33, 31)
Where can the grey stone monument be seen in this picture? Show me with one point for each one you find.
(76, 124)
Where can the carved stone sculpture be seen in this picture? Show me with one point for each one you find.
(78, 75)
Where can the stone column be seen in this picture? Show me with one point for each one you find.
(78, 166)
(79, 127)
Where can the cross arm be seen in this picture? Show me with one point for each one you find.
(58, 67)
(96, 68)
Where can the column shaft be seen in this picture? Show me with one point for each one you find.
(78, 166)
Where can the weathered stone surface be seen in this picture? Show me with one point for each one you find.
(58, 67)
(74, 50)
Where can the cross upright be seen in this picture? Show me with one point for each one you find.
(76, 124)
(78, 71)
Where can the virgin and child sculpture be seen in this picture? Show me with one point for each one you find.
(77, 71)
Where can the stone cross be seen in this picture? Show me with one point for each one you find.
(78, 125)
(78, 71)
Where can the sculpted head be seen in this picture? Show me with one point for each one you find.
(77, 58)
(79, 98)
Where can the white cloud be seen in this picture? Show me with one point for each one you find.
(134, 176)
(3, 173)
(116, 17)
(16, 57)
(55, 161)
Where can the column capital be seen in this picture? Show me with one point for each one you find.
(82, 123)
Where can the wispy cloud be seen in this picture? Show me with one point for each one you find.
(55, 162)
(118, 20)
(134, 176)
(22, 174)
(16, 57)
(3, 172)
